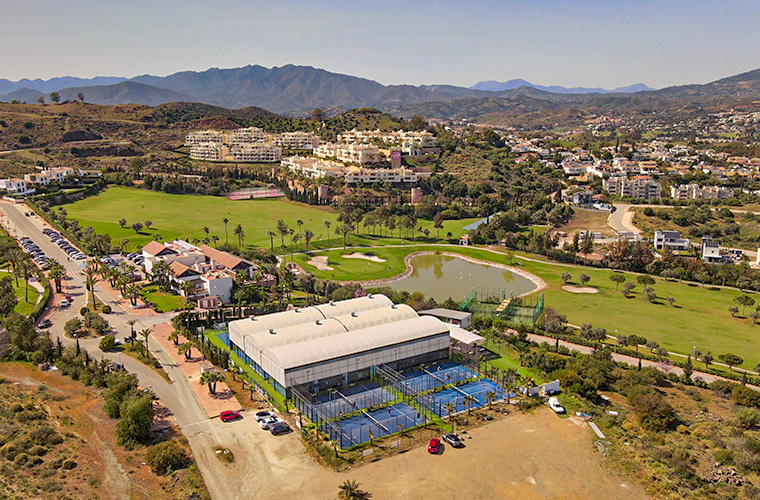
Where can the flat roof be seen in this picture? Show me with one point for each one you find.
(447, 313)
(465, 336)
(348, 343)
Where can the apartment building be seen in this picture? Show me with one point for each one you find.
(204, 136)
(45, 177)
(349, 153)
(296, 141)
(245, 136)
(695, 192)
(255, 152)
(399, 139)
(210, 151)
(636, 187)
(314, 167)
(373, 175)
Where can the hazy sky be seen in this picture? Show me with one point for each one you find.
(581, 43)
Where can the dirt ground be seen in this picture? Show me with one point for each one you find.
(587, 220)
(103, 469)
(526, 456)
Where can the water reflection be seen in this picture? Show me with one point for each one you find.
(444, 276)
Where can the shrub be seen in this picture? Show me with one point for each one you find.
(83, 311)
(747, 418)
(166, 457)
(69, 464)
(653, 411)
(38, 450)
(743, 395)
(108, 343)
(21, 459)
(106, 309)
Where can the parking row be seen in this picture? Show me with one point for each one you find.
(62, 242)
(34, 251)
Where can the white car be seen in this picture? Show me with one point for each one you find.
(555, 405)
(267, 422)
(65, 303)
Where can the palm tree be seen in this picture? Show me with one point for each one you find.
(283, 229)
(327, 227)
(526, 382)
(239, 233)
(490, 397)
(56, 272)
(450, 409)
(132, 292)
(510, 388)
(210, 378)
(187, 289)
(299, 223)
(349, 490)
(174, 337)
(226, 239)
(26, 267)
(271, 240)
(215, 239)
(469, 401)
(14, 256)
(131, 324)
(146, 335)
(186, 349)
(307, 236)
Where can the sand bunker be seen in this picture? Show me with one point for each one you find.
(357, 255)
(320, 262)
(579, 289)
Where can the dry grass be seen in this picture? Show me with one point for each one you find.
(587, 220)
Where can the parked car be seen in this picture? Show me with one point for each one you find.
(267, 423)
(45, 323)
(435, 446)
(453, 440)
(228, 415)
(65, 303)
(279, 428)
(263, 415)
(555, 405)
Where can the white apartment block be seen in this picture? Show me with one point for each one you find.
(637, 187)
(245, 136)
(373, 175)
(296, 141)
(313, 167)
(254, 152)
(349, 153)
(695, 192)
(211, 151)
(399, 139)
(203, 136)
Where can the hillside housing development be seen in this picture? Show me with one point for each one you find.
(249, 144)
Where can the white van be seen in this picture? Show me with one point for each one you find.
(555, 405)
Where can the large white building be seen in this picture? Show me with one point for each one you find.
(373, 175)
(314, 167)
(637, 187)
(328, 345)
(203, 136)
(350, 153)
(296, 141)
(695, 192)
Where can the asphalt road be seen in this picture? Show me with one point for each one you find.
(177, 396)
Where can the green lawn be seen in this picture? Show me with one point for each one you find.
(699, 318)
(184, 216)
(22, 307)
(507, 360)
(163, 301)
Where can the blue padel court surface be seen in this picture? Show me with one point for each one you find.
(380, 423)
(478, 389)
(351, 399)
(437, 376)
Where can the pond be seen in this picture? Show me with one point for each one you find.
(444, 276)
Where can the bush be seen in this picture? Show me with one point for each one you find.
(653, 411)
(743, 395)
(106, 309)
(747, 418)
(166, 457)
(108, 343)
(83, 311)
(38, 450)
(69, 464)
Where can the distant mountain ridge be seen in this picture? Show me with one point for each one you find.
(55, 84)
(494, 86)
(297, 90)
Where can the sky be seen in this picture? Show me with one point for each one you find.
(590, 43)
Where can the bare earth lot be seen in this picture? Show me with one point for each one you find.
(526, 456)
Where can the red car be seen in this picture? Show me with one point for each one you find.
(228, 415)
(435, 446)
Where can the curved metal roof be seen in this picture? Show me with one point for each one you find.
(357, 320)
(333, 309)
(299, 333)
(344, 344)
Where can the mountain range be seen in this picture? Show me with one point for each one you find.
(494, 86)
(297, 90)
